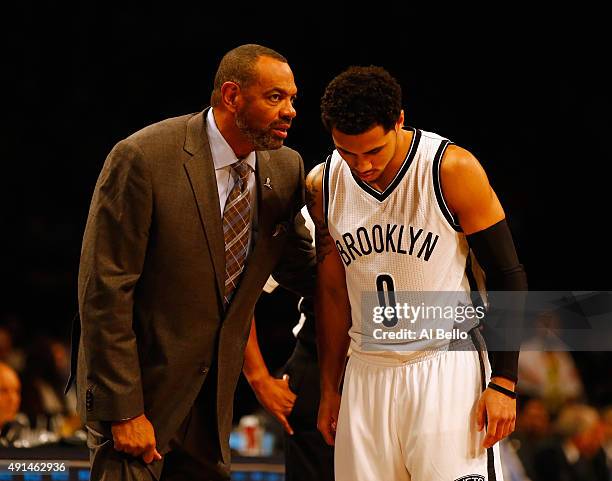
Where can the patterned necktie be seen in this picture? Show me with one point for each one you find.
(236, 228)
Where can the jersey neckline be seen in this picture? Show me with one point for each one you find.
(406, 163)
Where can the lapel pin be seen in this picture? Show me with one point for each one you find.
(279, 229)
(267, 184)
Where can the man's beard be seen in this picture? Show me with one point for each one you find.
(262, 139)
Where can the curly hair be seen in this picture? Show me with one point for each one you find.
(359, 99)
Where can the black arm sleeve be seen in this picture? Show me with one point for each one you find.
(495, 252)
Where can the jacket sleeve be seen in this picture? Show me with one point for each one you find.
(112, 259)
(296, 270)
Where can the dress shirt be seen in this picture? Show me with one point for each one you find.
(223, 157)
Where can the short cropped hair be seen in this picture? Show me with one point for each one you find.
(361, 98)
(238, 65)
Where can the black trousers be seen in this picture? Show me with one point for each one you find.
(194, 453)
(307, 456)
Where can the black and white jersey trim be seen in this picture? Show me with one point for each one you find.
(325, 182)
(478, 343)
(381, 196)
(438, 186)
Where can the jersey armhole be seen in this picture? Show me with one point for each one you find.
(452, 221)
(325, 183)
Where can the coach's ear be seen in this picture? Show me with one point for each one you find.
(230, 96)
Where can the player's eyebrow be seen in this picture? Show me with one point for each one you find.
(371, 151)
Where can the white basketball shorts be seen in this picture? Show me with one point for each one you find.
(414, 421)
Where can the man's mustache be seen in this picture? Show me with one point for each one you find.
(284, 124)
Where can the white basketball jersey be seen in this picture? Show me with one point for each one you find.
(404, 239)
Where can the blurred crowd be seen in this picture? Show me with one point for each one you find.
(563, 432)
(33, 407)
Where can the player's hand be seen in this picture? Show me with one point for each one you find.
(499, 412)
(136, 437)
(275, 395)
(327, 421)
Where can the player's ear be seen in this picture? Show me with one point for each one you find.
(400, 121)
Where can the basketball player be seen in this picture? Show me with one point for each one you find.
(402, 208)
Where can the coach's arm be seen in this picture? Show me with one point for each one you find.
(112, 259)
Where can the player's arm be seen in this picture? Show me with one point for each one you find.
(332, 309)
(273, 394)
(472, 200)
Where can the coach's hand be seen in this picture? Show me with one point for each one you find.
(275, 395)
(136, 437)
(499, 412)
(329, 408)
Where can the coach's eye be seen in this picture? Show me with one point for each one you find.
(275, 97)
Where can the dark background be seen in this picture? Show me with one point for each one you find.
(531, 100)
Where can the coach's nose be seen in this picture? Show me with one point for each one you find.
(288, 111)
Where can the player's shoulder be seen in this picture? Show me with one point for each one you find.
(455, 158)
(315, 195)
(428, 143)
(426, 135)
(458, 161)
(316, 175)
(314, 178)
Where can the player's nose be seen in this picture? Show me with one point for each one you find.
(362, 165)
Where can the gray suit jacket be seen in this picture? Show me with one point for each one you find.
(152, 274)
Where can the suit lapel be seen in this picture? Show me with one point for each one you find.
(267, 197)
(201, 173)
